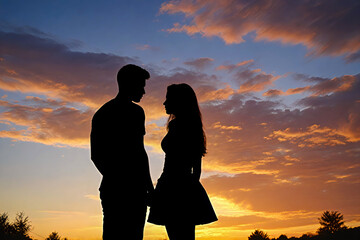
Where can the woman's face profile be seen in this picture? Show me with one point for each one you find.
(169, 104)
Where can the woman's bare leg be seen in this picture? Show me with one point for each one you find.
(181, 231)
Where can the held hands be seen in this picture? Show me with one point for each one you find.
(149, 197)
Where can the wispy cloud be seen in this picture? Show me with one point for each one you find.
(322, 86)
(66, 213)
(200, 63)
(324, 27)
(231, 67)
(145, 47)
(92, 197)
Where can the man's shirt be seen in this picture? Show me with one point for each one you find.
(117, 147)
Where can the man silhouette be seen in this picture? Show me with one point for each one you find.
(117, 150)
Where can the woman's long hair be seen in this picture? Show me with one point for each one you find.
(187, 111)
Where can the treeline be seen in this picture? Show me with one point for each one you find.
(20, 228)
(332, 227)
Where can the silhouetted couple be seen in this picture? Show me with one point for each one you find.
(117, 149)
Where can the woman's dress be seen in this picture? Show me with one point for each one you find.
(178, 196)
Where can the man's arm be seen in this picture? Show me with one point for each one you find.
(96, 147)
(148, 181)
(149, 184)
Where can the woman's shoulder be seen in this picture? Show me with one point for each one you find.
(177, 125)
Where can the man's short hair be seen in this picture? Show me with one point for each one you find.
(130, 73)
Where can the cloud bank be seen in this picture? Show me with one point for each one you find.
(270, 164)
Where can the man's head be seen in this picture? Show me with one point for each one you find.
(131, 80)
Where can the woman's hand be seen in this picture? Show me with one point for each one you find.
(197, 169)
(149, 197)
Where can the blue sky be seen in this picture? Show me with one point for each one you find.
(120, 27)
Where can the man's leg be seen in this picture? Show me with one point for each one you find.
(123, 219)
(134, 220)
(109, 219)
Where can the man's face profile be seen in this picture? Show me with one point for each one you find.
(138, 90)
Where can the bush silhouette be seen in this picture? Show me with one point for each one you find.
(259, 235)
(282, 237)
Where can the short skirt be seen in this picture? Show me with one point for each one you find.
(180, 200)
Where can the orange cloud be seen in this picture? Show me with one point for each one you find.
(254, 80)
(273, 93)
(296, 90)
(325, 28)
(323, 86)
(234, 66)
(223, 127)
(206, 94)
(313, 136)
(291, 91)
(59, 125)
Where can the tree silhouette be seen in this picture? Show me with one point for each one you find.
(18, 230)
(4, 225)
(259, 235)
(53, 236)
(331, 222)
(22, 224)
(4, 222)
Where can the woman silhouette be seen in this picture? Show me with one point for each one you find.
(179, 201)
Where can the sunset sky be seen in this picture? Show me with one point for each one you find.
(278, 84)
